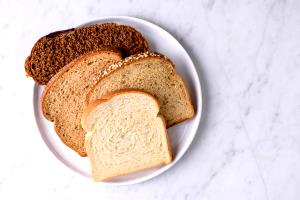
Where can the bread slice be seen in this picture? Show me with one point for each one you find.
(52, 52)
(63, 99)
(125, 134)
(155, 74)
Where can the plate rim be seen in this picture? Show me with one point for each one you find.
(115, 18)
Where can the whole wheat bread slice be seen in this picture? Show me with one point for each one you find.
(125, 134)
(52, 52)
(63, 99)
(155, 74)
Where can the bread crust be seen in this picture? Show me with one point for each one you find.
(125, 62)
(67, 68)
(109, 96)
(56, 77)
(51, 52)
(141, 169)
(134, 58)
(191, 102)
(50, 35)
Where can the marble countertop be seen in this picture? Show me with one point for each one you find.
(248, 57)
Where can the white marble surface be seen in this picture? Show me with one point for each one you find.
(248, 58)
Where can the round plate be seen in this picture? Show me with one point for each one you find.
(180, 136)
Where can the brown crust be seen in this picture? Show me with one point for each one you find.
(50, 35)
(27, 67)
(57, 76)
(126, 61)
(167, 139)
(73, 147)
(139, 170)
(135, 58)
(55, 50)
(109, 96)
(190, 100)
(59, 33)
(67, 68)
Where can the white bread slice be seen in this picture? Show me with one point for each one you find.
(125, 134)
(63, 99)
(152, 73)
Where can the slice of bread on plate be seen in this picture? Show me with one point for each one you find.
(52, 52)
(64, 97)
(152, 73)
(125, 134)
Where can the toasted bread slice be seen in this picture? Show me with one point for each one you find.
(152, 73)
(125, 134)
(52, 52)
(63, 99)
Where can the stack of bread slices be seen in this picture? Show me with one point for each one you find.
(110, 98)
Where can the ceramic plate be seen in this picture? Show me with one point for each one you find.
(180, 135)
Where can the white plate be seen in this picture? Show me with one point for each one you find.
(180, 135)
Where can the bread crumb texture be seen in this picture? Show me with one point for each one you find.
(52, 52)
(126, 135)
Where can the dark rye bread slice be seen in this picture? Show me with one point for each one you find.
(64, 97)
(52, 52)
(153, 73)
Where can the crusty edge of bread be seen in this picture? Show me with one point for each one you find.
(27, 64)
(74, 148)
(123, 63)
(191, 102)
(53, 34)
(151, 167)
(125, 174)
(67, 68)
(57, 76)
(107, 97)
(135, 58)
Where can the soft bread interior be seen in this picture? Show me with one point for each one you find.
(64, 97)
(155, 75)
(125, 134)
